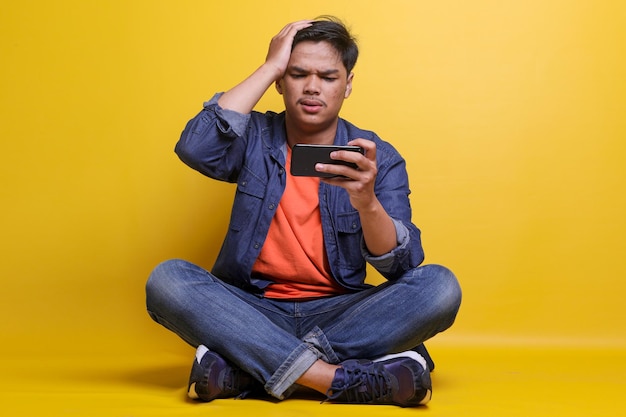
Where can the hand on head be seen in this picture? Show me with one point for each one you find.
(280, 46)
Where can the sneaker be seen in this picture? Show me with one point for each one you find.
(421, 349)
(394, 379)
(212, 377)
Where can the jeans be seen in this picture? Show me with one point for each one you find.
(276, 341)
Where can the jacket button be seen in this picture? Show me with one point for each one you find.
(271, 206)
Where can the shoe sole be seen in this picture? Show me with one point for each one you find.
(408, 354)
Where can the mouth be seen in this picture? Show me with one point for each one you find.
(311, 105)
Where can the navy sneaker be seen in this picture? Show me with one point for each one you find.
(421, 349)
(402, 379)
(212, 377)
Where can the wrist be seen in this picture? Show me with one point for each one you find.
(273, 72)
(368, 208)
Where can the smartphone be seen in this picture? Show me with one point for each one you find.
(305, 156)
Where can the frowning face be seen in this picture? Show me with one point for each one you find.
(314, 87)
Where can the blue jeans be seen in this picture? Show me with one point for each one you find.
(276, 341)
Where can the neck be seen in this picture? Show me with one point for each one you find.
(314, 135)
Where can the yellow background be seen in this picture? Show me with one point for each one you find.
(511, 116)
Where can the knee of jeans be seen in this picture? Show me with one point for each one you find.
(163, 283)
(445, 285)
(449, 292)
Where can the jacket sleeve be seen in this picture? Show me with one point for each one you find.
(214, 142)
(393, 191)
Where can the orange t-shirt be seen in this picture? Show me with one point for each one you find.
(293, 255)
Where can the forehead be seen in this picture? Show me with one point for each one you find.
(320, 56)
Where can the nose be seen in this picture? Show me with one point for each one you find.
(312, 85)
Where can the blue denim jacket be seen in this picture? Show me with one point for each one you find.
(250, 150)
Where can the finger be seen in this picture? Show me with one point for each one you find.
(292, 28)
(348, 156)
(339, 171)
(368, 146)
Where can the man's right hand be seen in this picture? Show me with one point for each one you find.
(280, 47)
(244, 96)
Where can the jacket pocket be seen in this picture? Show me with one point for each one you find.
(248, 200)
(349, 236)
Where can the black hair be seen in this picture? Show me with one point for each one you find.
(332, 30)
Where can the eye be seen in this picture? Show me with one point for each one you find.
(297, 76)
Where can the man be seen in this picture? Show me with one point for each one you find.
(285, 305)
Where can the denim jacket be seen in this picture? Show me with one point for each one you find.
(250, 150)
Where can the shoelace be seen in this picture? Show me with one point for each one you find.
(362, 385)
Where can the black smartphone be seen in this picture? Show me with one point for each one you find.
(305, 156)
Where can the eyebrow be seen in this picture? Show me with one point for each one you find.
(300, 69)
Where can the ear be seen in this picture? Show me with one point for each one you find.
(349, 85)
(279, 87)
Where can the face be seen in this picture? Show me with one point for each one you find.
(314, 87)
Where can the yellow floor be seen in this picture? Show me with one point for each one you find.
(468, 381)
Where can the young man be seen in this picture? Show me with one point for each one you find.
(285, 304)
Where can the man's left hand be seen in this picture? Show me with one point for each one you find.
(359, 182)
